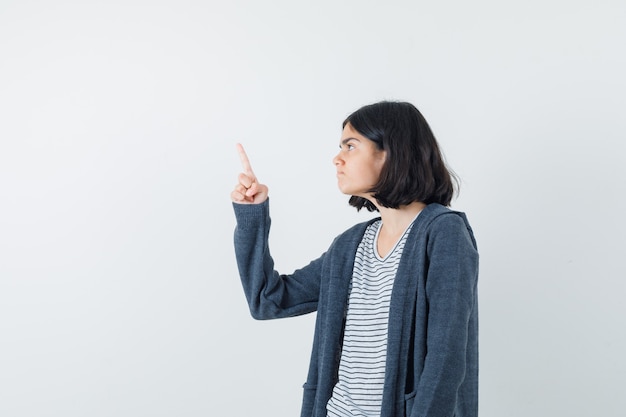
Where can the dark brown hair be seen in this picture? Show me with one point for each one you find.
(414, 168)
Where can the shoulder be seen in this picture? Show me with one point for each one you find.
(442, 221)
(438, 216)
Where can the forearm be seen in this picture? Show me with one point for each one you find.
(270, 294)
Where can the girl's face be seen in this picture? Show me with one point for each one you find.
(358, 163)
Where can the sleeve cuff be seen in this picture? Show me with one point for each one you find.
(251, 215)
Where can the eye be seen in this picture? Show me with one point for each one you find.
(347, 145)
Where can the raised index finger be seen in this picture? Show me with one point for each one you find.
(245, 162)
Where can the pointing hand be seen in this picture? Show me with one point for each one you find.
(248, 190)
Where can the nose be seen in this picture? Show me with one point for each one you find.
(337, 160)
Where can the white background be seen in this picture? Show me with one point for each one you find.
(119, 294)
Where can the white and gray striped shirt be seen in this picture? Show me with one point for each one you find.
(359, 388)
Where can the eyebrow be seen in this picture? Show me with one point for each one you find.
(346, 140)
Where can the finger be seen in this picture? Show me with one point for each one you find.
(246, 180)
(245, 162)
(252, 190)
(239, 194)
(241, 189)
(237, 197)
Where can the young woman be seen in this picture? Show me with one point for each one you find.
(396, 332)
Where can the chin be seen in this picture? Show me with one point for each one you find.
(346, 191)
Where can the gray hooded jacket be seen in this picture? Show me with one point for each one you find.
(432, 347)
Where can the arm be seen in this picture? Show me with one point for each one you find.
(270, 294)
(451, 360)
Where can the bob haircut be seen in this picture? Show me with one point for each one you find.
(414, 168)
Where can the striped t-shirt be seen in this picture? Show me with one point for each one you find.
(359, 389)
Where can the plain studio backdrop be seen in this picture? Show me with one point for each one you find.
(119, 294)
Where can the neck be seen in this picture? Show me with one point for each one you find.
(395, 221)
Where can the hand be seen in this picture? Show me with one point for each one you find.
(248, 190)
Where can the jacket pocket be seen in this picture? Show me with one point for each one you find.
(409, 400)
(308, 399)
